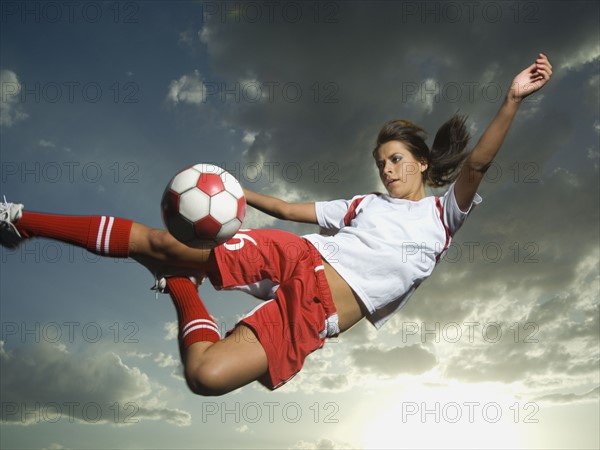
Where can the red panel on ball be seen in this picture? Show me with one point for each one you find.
(210, 183)
(207, 228)
(241, 210)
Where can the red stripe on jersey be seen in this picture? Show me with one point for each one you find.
(351, 214)
(447, 243)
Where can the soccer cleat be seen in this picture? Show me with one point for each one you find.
(160, 285)
(10, 213)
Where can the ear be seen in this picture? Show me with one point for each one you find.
(423, 165)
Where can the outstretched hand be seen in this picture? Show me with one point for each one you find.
(532, 79)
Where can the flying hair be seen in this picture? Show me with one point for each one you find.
(447, 154)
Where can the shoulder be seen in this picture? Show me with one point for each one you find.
(453, 215)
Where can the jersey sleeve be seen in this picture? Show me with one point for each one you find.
(330, 214)
(454, 217)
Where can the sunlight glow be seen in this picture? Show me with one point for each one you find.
(455, 416)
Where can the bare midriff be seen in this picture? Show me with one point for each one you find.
(346, 301)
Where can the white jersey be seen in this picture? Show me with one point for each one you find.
(385, 247)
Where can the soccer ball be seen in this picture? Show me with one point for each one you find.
(203, 205)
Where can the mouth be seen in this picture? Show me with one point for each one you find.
(390, 182)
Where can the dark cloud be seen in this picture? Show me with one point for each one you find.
(370, 60)
(47, 383)
(519, 244)
(334, 382)
(550, 343)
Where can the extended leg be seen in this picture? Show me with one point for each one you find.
(160, 252)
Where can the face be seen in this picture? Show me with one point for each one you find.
(400, 172)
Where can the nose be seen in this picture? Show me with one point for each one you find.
(387, 167)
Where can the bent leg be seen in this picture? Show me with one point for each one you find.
(212, 366)
(222, 367)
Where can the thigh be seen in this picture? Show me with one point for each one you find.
(231, 363)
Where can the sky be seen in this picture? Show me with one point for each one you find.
(103, 102)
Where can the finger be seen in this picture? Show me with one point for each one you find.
(545, 68)
(543, 59)
(535, 81)
(531, 68)
(538, 76)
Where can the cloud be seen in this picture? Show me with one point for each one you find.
(172, 330)
(412, 360)
(527, 211)
(11, 111)
(542, 342)
(186, 38)
(243, 429)
(592, 90)
(135, 354)
(172, 416)
(566, 398)
(46, 143)
(361, 333)
(321, 444)
(514, 248)
(47, 383)
(187, 89)
(427, 93)
(249, 137)
(321, 374)
(587, 53)
(410, 82)
(165, 360)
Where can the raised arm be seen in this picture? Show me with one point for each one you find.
(280, 209)
(525, 83)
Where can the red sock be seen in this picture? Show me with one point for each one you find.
(195, 323)
(103, 235)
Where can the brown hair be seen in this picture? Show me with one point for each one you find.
(447, 153)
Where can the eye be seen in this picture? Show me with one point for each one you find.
(396, 158)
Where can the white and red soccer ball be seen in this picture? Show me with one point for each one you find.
(203, 205)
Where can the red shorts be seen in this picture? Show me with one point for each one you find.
(287, 271)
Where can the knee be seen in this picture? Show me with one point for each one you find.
(208, 380)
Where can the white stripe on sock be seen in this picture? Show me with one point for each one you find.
(198, 327)
(111, 220)
(196, 321)
(99, 237)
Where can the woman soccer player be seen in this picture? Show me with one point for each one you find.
(378, 250)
